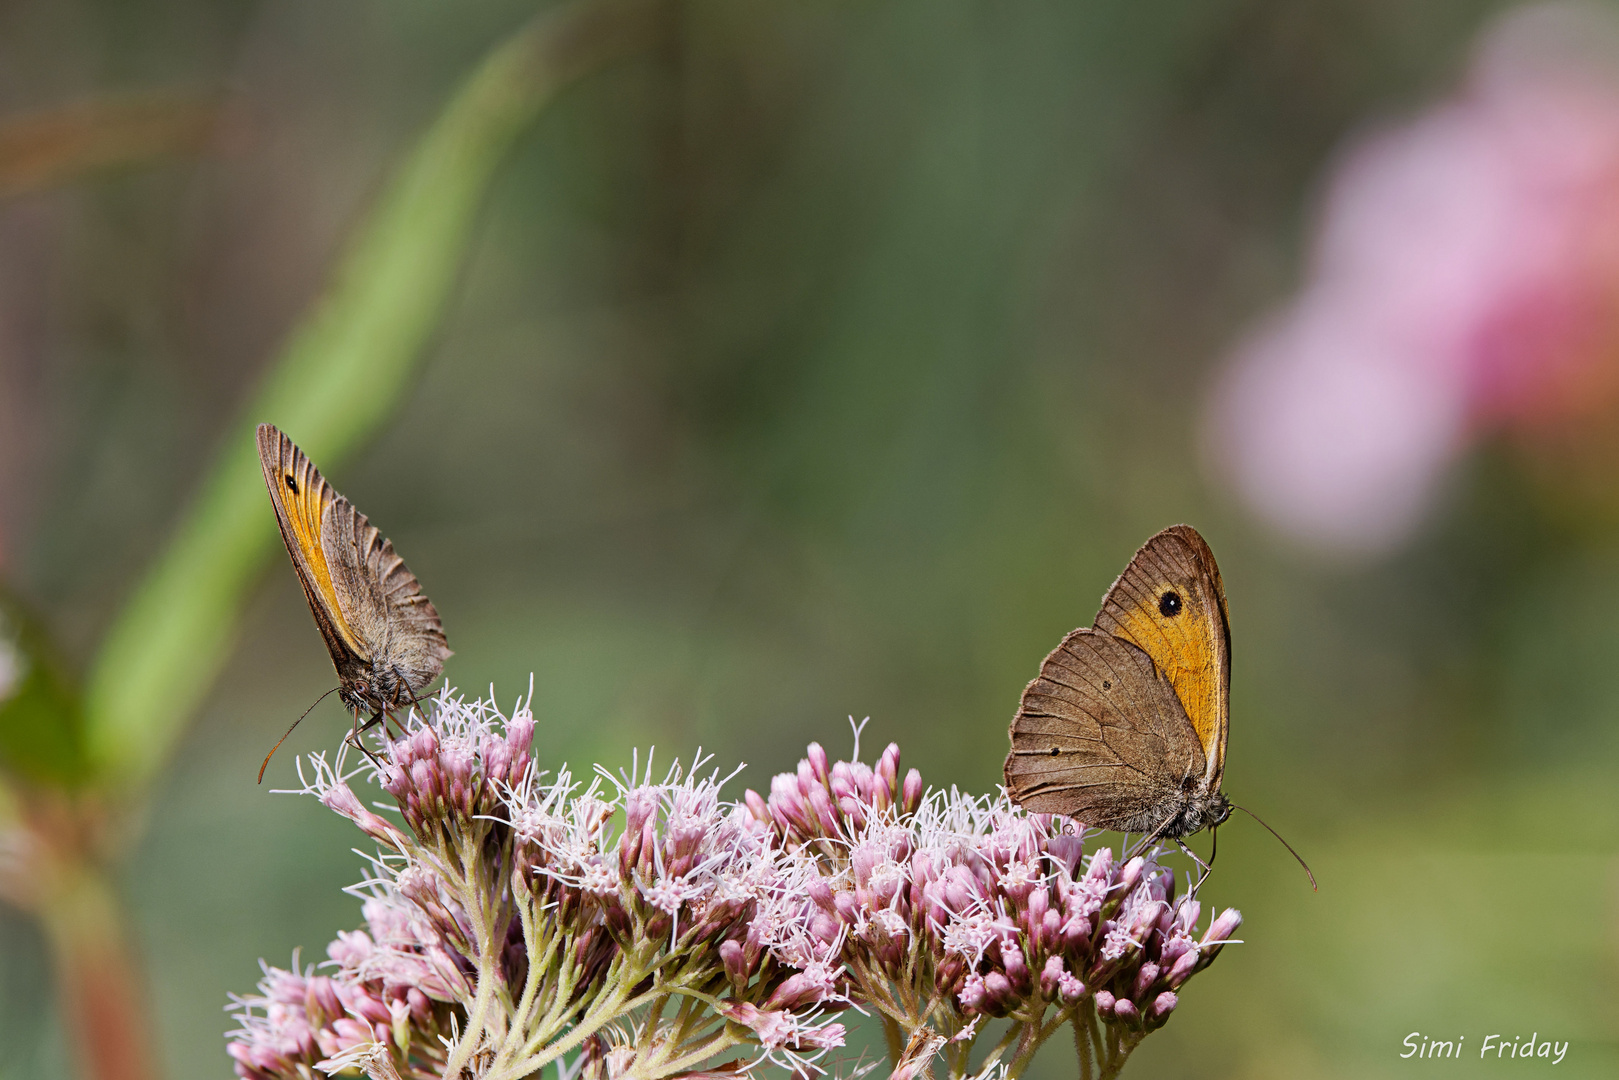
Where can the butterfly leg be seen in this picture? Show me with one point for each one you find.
(414, 701)
(388, 716)
(1142, 844)
(1206, 868)
(354, 740)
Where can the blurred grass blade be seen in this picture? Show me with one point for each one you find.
(59, 145)
(343, 371)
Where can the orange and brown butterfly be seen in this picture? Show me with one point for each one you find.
(385, 637)
(1125, 728)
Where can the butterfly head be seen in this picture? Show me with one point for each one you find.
(373, 689)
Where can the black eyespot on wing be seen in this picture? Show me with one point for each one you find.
(292, 485)
(1107, 685)
(1169, 604)
(1055, 751)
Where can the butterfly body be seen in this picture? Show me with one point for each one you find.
(1125, 727)
(385, 638)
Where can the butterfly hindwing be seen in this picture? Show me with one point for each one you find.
(1170, 603)
(1101, 736)
(382, 598)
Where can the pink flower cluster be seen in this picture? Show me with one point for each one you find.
(393, 982)
(952, 908)
(1464, 281)
(647, 927)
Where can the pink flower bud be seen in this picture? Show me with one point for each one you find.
(842, 782)
(735, 963)
(341, 798)
(1067, 850)
(1105, 1004)
(1130, 875)
(998, 991)
(972, 995)
(322, 1001)
(1184, 965)
(816, 755)
(1223, 927)
(1146, 975)
(961, 888)
(1017, 972)
(885, 778)
(1050, 933)
(1125, 1011)
(825, 816)
(1076, 932)
(807, 780)
(1144, 920)
(911, 797)
(854, 810)
(1039, 902)
(1051, 977)
(1161, 1007)
(1186, 915)
(800, 988)
(520, 739)
(1172, 951)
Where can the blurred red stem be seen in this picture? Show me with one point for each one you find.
(103, 1003)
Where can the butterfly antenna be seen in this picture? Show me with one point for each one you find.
(1284, 843)
(283, 738)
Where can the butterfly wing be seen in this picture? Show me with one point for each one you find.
(382, 600)
(1188, 638)
(302, 497)
(1100, 736)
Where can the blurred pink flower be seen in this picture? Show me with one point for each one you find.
(1464, 280)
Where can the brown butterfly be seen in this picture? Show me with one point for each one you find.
(1125, 728)
(384, 636)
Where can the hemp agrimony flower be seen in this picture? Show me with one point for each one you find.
(643, 928)
(952, 909)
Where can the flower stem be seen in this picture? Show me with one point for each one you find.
(1118, 1053)
(97, 976)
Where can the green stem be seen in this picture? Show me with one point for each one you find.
(718, 1043)
(1082, 1044)
(1013, 1034)
(1119, 1050)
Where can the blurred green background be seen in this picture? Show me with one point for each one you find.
(825, 358)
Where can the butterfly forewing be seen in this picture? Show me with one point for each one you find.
(1171, 603)
(302, 498)
(1100, 736)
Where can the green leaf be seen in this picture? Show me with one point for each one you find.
(41, 726)
(338, 378)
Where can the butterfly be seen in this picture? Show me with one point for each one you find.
(1125, 727)
(384, 635)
